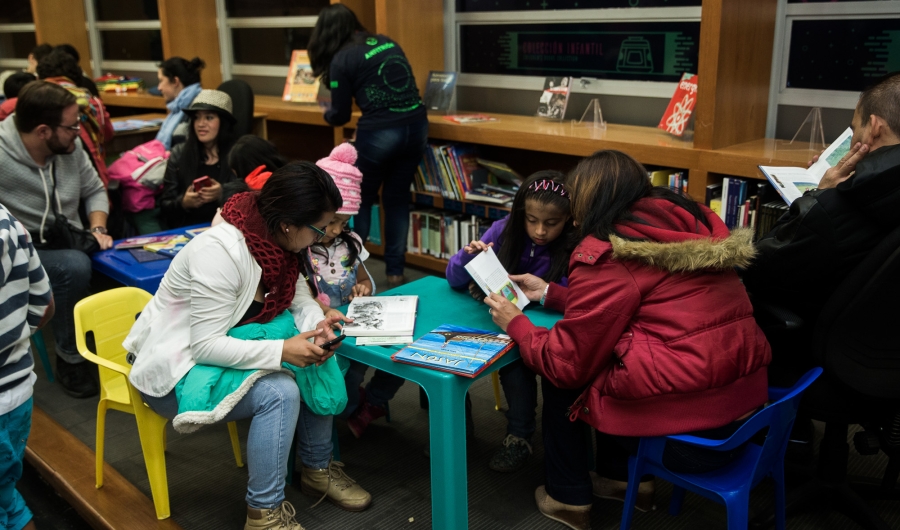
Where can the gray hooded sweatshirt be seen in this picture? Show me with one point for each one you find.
(26, 187)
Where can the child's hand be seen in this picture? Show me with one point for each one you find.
(476, 291)
(477, 246)
(334, 313)
(361, 289)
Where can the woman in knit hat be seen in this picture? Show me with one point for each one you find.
(187, 197)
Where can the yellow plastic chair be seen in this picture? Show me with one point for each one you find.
(495, 382)
(109, 316)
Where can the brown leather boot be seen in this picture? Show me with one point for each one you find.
(575, 517)
(276, 518)
(606, 488)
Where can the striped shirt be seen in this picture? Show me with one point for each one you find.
(24, 297)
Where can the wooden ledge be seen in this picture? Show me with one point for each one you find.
(68, 465)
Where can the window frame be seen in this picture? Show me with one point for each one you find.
(94, 27)
(614, 87)
(226, 46)
(21, 27)
(779, 92)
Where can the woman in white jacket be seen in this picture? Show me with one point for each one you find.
(248, 270)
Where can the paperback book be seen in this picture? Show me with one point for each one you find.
(139, 242)
(301, 86)
(170, 247)
(381, 316)
(793, 182)
(678, 113)
(469, 118)
(440, 91)
(456, 349)
(194, 232)
(554, 98)
(489, 274)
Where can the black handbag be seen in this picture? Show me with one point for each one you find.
(61, 235)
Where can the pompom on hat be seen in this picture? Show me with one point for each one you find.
(340, 165)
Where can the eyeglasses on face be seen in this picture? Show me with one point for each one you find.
(319, 233)
(76, 127)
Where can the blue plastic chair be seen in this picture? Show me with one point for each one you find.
(731, 484)
(41, 347)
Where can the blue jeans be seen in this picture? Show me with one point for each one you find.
(69, 272)
(273, 404)
(388, 159)
(15, 426)
(379, 391)
(520, 387)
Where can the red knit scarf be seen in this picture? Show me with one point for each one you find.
(280, 268)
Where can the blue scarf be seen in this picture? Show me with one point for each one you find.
(176, 115)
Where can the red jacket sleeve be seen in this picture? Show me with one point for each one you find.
(599, 304)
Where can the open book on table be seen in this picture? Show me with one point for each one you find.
(377, 316)
(793, 182)
(456, 349)
(489, 274)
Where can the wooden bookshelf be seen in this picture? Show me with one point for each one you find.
(479, 209)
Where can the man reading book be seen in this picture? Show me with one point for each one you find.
(831, 229)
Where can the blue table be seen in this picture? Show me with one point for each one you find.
(121, 266)
(439, 304)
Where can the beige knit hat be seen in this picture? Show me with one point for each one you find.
(215, 100)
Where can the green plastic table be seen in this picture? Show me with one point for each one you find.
(439, 304)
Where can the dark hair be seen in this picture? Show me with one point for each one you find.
(250, 152)
(59, 63)
(190, 156)
(41, 103)
(247, 154)
(606, 185)
(335, 27)
(881, 99)
(187, 71)
(297, 194)
(40, 51)
(514, 233)
(68, 48)
(14, 83)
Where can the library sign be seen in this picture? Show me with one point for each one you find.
(641, 51)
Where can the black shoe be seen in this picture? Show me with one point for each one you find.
(78, 380)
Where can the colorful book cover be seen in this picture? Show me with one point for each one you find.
(194, 232)
(169, 248)
(469, 118)
(300, 86)
(678, 113)
(554, 97)
(139, 242)
(456, 349)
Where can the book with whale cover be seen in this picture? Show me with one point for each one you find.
(456, 349)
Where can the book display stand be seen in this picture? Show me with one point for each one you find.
(811, 130)
(592, 117)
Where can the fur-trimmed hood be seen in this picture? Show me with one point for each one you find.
(736, 250)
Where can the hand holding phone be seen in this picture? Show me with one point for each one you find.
(202, 182)
(333, 343)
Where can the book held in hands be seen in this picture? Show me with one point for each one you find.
(456, 349)
(378, 316)
(489, 274)
(793, 182)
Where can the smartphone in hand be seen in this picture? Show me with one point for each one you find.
(201, 183)
(333, 343)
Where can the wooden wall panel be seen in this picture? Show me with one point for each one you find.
(189, 30)
(364, 9)
(62, 22)
(736, 39)
(418, 27)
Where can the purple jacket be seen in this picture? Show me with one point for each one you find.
(535, 259)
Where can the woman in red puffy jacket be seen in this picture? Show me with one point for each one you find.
(657, 336)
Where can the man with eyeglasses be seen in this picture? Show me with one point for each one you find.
(45, 175)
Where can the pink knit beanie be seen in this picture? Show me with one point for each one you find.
(339, 164)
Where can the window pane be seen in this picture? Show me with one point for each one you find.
(16, 45)
(16, 12)
(463, 6)
(110, 10)
(271, 46)
(846, 54)
(640, 51)
(274, 8)
(132, 45)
